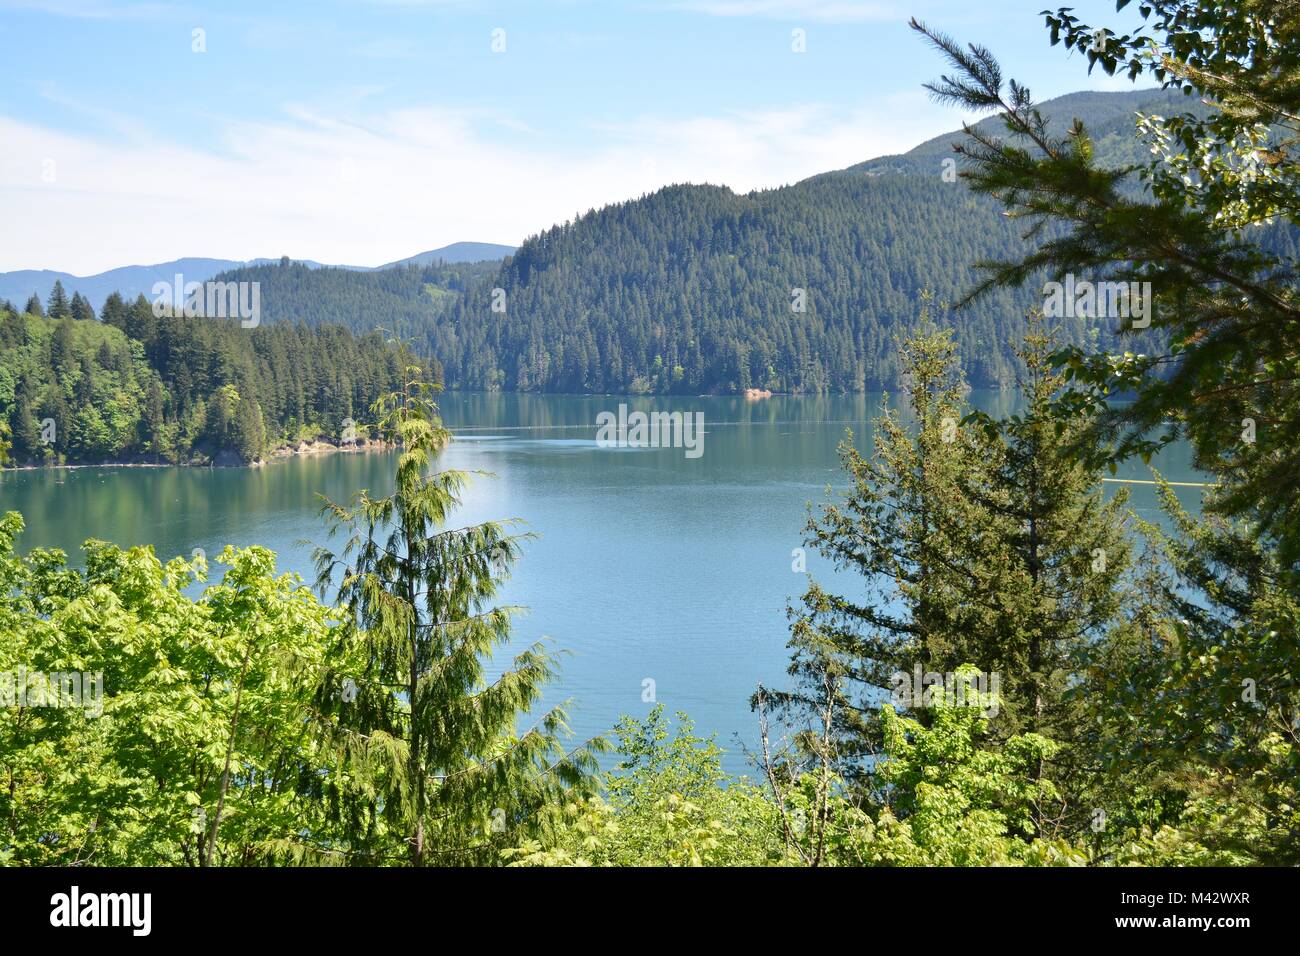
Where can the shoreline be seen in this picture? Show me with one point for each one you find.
(301, 449)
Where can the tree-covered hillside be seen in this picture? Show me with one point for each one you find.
(697, 289)
(138, 387)
(693, 288)
(405, 300)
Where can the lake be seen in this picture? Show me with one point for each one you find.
(648, 564)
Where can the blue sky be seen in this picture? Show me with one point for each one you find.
(362, 131)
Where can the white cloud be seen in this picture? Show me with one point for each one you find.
(320, 185)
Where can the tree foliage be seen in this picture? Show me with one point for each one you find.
(446, 774)
(139, 387)
(199, 750)
(1219, 363)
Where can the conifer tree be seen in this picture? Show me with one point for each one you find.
(1053, 571)
(974, 542)
(248, 429)
(81, 309)
(442, 774)
(58, 302)
(152, 421)
(114, 311)
(1200, 691)
(1051, 578)
(25, 431)
(1219, 355)
(1194, 219)
(897, 529)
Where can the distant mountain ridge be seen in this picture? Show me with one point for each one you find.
(403, 299)
(456, 253)
(131, 281)
(699, 289)
(802, 288)
(1107, 116)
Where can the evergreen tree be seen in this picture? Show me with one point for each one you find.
(1199, 692)
(54, 406)
(977, 542)
(140, 323)
(34, 306)
(220, 411)
(248, 430)
(63, 348)
(24, 429)
(152, 422)
(897, 528)
(58, 302)
(1054, 570)
(1196, 220)
(81, 309)
(1051, 579)
(114, 311)
(450, 778)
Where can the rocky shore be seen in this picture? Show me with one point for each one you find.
(227, 458)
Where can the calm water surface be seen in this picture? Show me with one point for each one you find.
(647, 564)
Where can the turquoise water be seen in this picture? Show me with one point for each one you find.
(647, 565)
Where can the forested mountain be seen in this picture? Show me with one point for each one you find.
(699, 289)
(457, 252)
(1108, 118)
(130, 281)
(405, 300)
(137, 387)
(694, 288)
